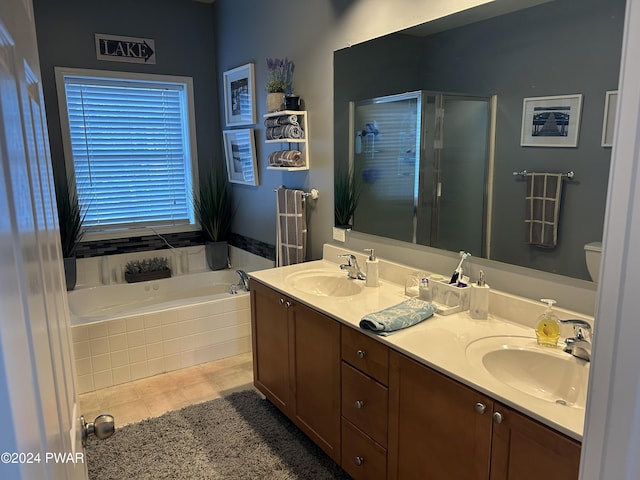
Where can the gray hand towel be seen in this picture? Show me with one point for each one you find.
(544, 191)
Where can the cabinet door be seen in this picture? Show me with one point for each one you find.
(316, 374)
(270, 337)
(438, 428)
(524, 449)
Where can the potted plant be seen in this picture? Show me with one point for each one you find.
(213, 209)
(280, 82)
(70, 219)
(148, 269)
(347, 189)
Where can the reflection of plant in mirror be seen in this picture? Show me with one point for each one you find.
(280, 75)
(346, 195)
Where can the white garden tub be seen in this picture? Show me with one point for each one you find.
(109, 302)
(125, 332)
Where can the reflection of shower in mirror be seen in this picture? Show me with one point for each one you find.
(410, 154)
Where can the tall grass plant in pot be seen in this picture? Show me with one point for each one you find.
(70, 220)
(213, 208)
(347, 190)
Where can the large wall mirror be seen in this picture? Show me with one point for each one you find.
(461, 91)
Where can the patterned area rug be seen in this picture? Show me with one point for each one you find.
(237, 437)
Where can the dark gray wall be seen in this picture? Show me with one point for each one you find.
(250, 31)
(563, 47)
(185, 46)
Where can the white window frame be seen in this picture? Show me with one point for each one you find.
(123, 231)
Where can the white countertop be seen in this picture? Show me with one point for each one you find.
(439, 342)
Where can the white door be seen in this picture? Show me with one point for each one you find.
(39, 430)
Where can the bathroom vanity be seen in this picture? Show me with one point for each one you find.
(410, 405)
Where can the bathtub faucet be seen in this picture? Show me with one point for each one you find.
(244, 281)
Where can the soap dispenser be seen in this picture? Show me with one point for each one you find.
(548, 326)
(372, 269)
(479, 301)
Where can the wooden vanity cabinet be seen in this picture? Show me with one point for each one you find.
(380, 414)
(296, 364)
(271, 339)
(365, 405)
(523, 449)
(440, 429)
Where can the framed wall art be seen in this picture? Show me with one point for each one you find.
(239, 96)
(240, 155)
(610, 106)
(551, 121)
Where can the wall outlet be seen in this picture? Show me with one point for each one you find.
(339, 234)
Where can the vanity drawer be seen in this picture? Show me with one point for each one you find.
(365, 403)
(362, 458)
(366, 354)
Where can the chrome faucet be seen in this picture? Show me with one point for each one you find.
(244, 279)
(242, 284)
(352, 268)
(580, 345)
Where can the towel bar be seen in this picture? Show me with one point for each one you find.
(314, 193)
(524, 173)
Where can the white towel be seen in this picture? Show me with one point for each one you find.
(291, 227)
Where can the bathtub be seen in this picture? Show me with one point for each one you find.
(126, 332)
(109, 302)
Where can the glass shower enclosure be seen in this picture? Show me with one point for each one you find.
(419, 156)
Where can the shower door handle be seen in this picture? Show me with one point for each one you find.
(102, 427)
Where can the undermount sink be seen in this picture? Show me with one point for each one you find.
(323, 283)
(546, 373)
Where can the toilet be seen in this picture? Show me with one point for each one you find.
(592, 253)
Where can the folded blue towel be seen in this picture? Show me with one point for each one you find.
(397, 317)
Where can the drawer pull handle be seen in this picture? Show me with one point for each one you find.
(282, 301)
(497, 417)
(287, 304)
(361, 353)
(358, 460)
(480, 408)
(359, 404)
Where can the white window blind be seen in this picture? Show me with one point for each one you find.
(131, 151)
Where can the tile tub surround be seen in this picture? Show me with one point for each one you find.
(113, 352)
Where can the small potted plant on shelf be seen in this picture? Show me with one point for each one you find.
(280, 82)
(148, 269)
(347, 189)
(213, 209)
(70, 219)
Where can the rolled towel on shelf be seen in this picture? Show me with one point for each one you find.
(286, 158)
(397, 317)
(284, 132)
(281, 120)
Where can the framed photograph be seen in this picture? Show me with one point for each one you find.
(239, 96)
(240, 154)
(551, 121)
(610, 106)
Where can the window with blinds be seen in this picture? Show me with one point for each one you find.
(131, 146)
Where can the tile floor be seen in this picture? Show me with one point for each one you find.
(153, 396)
